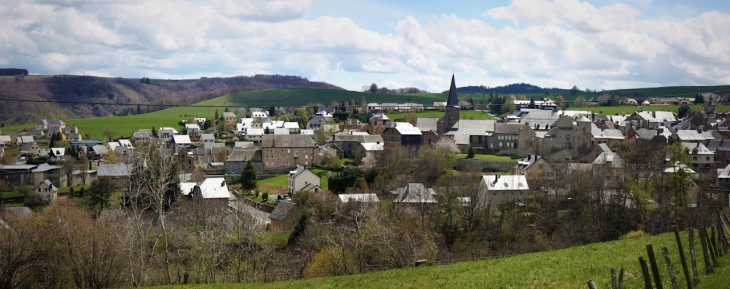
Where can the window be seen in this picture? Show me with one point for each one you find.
(707, 158)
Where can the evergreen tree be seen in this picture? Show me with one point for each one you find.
(248, 177)
(154, 131)
(216, 114)
(99, 194)
(470, 154)
(298, 231)
(532, 103)
(699, 99)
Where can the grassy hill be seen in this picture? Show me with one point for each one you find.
(63, 96)
(125, 125)
(566, 268)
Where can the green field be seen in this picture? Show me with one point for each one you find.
(489, 157)
(629, 109)
(125, 125)
(464, 114)
(565, 268)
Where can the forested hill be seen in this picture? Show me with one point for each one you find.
(127, 92)
(516, 88)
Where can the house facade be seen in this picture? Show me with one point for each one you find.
(301, 178)
(47, 191)
(288, 151)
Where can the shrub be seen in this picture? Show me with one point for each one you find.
(634, 234)
(265, 197)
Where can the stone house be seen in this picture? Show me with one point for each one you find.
(229, 118)
(363, 150)
(142, 136)
(402, 133)
(571, 137)
(238, 158)
(285, 216)
(701, 158)
(47, 191)
(287, 151)
(349, 141)
(212, 191)
(193, 131)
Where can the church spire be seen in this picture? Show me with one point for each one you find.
(452, 100)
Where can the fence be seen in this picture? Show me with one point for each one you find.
(713, 244)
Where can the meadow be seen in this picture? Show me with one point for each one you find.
(564, 268)
(629, 109)
(464, 114)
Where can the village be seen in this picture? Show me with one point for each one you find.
(540, 144)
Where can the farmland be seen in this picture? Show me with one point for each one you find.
(629, 109)
(125, 125)
(565, 268)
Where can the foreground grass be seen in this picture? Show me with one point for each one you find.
(565, 268)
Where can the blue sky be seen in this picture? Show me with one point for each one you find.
(601, 44)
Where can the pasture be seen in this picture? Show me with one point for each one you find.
(563, 268)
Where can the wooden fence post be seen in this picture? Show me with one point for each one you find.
(705, 254)
(592, 285)
(621, 278)
(613, 279)
(682, 258)
(654, 267)
(695, 275)
(709, 246)
(670, 268)
(645, 273)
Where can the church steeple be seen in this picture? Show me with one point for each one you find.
(452, 100)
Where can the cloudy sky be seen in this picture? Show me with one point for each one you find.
(600, 44)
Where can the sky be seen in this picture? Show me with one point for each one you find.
(596, 45)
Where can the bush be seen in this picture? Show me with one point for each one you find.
(634, 234)
(265, 197)
(471, 153)
(257, 194)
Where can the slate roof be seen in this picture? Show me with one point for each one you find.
(59, 152)
(606, 133)
(718, 145)
(282, 210)
(181, 139)
(405, 128)
(414, 193)
(690, 135)
(244, 144)
(453, 100)
(505, 182)
(370, 146)
(228, 114)
(508, 128)
(365, 198)
(543, 118)
(527, 162)
(187, 187)
(5, 139)
(207, 136)
(346, 137)
(113, 170)
(292, 140)
(99, 149)
(701, 149)
(242, 155)
(214, 188)
(427, 123)
(50, 185)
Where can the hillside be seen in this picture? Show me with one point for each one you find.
(100, 92)
(565, 268)
(125, 125)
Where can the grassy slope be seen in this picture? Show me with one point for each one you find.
(566, 268)
(628, 109)
(464, 114)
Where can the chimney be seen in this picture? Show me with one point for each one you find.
(273, 143)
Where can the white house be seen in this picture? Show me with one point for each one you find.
(302, 179)
(501, 189)
(213, 189)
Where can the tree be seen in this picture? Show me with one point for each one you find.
(248, 177)
(217, 116)
(532, 103)
(560, 101)
(272, 112)
(111, 158)
(683, 110)
(574, 90)
(470, 154)
(99, 193)
(373, 88)
(699, 99)
(580, 101)
(109, 133)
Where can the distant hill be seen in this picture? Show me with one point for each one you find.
(129, 92)
(516, 88)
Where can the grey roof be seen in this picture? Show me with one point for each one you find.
(606, 133)
(427, 123)
(210, 145)
(99, 149)
(229, 114)
(508, 128)
(527, 162)
(50, 185)
(474, 127)
(414, 193)
(718, 145)
(244, 144)
(55, 122)
(18, 211)
(242, 155)
(113, 170)
(453, 100)
(281, 210)
(44, 168)
(359, 138)
(207, 136)
(543, 118)
(292, 140)
(5, 139)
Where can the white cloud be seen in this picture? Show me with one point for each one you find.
(549, 43)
